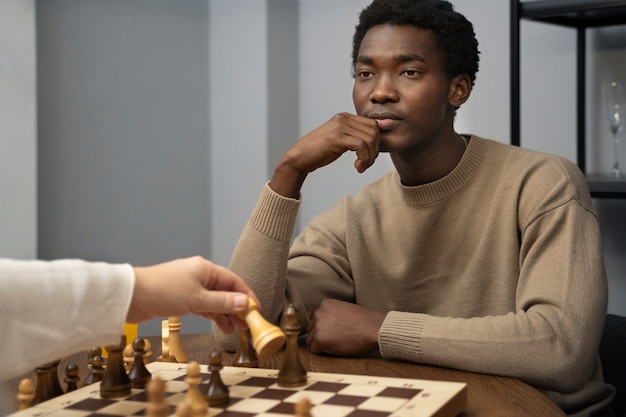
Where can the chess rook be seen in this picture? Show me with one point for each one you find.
(115, 381)
(267, 339)
(48, 385)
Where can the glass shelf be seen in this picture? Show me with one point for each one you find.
(606, 186)
(575, 13)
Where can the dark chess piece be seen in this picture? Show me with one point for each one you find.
(48, 385)
(216, 392)
(95, 365)
(245, 355)
(115, 382)
(292, 373)
(71, 377)
(139, 374)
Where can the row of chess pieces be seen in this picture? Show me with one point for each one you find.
(125, 366)
(47, 376)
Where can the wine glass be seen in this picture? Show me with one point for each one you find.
(615, 110)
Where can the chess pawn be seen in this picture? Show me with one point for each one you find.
(115, 382)
(183, 410)
(71, 377)
(245, 355)
(194, 398)
(267, 339)
(217, 393)
(95, 364)
(303, 408)
(292, 373)
(139, 374)
(157, 406)
(96, 373)
(26, 394)
(148, 351)
(48, 385)
(176, 347)
(128, 357)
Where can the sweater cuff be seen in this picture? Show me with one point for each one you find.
(400, 336)
(275, 215)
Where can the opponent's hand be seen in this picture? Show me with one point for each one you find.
(342, 133)
(344, 329)
(190, 286)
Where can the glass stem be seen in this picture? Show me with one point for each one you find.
(615, 170)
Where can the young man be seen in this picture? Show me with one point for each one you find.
(471, 254)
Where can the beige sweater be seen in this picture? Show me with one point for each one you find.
(496, 268)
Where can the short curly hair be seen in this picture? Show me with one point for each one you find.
(454, 33)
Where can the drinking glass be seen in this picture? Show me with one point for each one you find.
(615, 111)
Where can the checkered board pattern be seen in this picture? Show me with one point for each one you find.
(254, 392)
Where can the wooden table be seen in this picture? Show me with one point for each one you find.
(487, 395)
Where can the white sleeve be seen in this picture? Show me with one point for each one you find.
(52, 309)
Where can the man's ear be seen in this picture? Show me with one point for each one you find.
(460, 90)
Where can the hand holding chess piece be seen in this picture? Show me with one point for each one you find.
(267, 339)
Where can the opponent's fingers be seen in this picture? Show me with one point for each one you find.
(221, 278)
(220, 302)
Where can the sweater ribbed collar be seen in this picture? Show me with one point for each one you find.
(451, 184)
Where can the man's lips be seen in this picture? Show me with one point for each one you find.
(386, 124)
(385, 120)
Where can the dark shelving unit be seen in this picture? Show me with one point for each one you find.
(580, 15)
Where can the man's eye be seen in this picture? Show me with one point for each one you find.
(411, 72)
(364, 74)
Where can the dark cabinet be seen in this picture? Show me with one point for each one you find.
(580, 15)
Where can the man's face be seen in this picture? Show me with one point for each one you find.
(401, 82)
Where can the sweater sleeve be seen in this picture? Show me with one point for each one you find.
(51, 309)
(260, 256)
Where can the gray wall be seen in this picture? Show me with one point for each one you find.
(18, 184)
(160, 121)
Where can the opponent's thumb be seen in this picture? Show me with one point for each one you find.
(224, 302)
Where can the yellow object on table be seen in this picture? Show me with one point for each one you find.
(130, 331)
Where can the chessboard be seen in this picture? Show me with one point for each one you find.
(255, 392)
